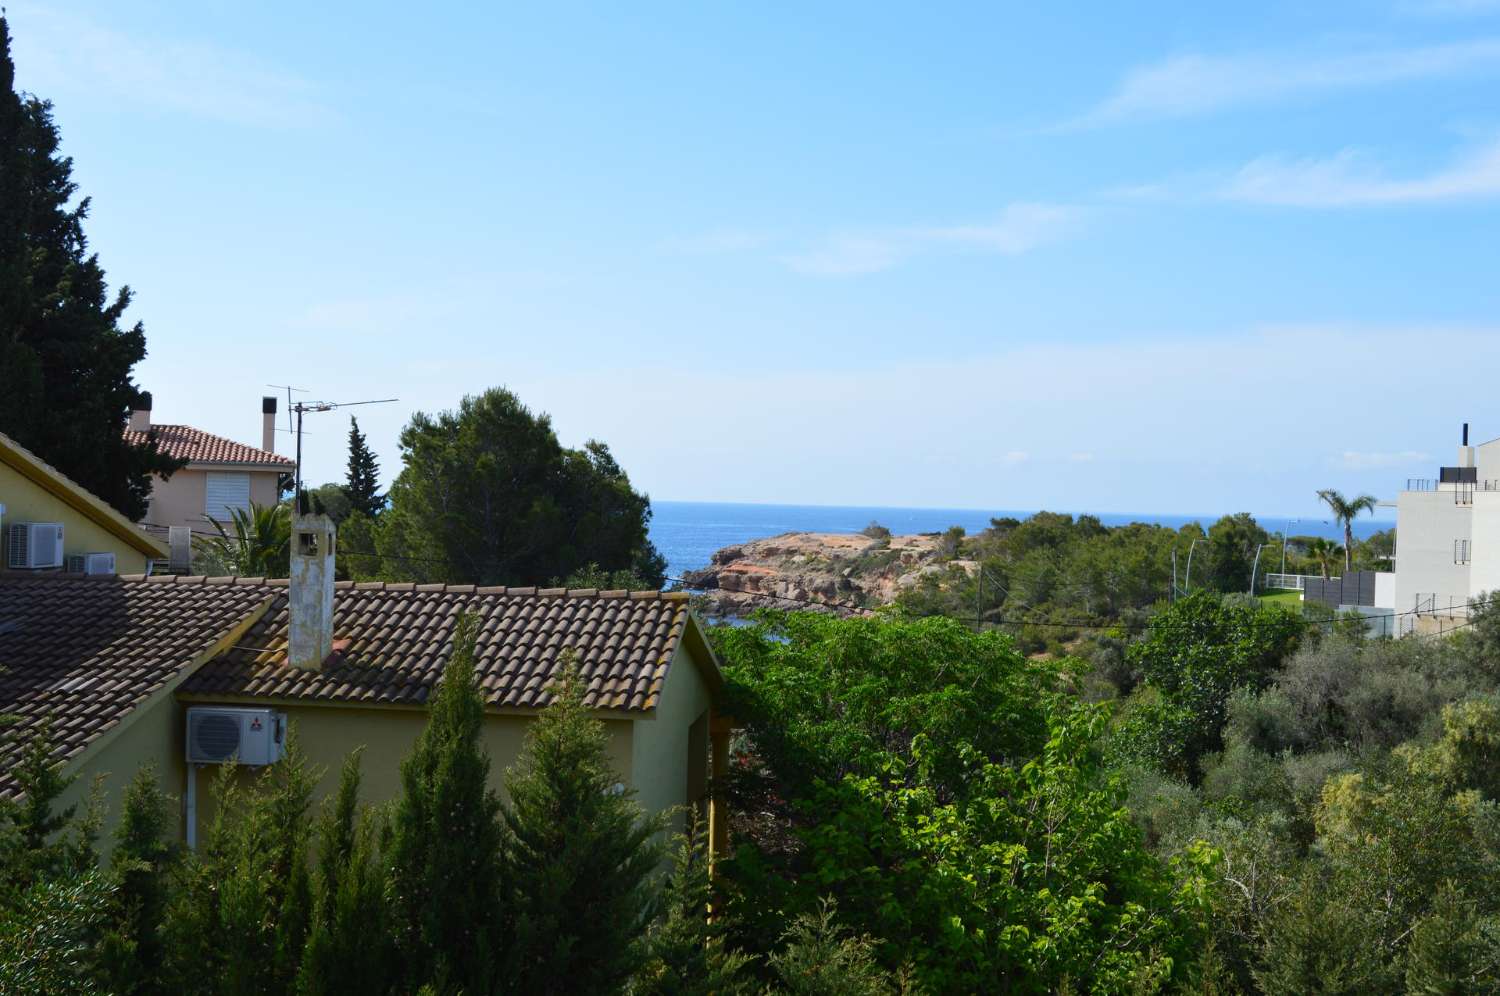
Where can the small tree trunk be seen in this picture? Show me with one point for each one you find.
(1348, 546)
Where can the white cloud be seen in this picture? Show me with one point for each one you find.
(1353, 460)
(1021, 227)
(1196, 84)
(1016, 456)
(1348, 179)
(63, 55)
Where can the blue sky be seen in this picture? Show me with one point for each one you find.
(1125, 258)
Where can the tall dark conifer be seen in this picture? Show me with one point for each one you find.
(65, 362)
(363, 486)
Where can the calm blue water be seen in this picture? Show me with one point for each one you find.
(688, 532)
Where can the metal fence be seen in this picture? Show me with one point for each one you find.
(1291, 582)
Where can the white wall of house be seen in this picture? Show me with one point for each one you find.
(1428, 525)
(1484, 571)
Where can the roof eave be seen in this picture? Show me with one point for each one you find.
(60, 486)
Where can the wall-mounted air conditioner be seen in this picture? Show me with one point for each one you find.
(34, 545)
(216, 734)
(91, 563)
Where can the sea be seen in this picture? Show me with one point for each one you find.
(688, 532)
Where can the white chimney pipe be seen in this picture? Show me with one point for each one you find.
(310, 591)
(268, 424)
(140, 413)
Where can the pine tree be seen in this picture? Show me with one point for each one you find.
(580, 856)
(363, 486)
(348, 947)
(822, 959)
(688, 953)
(444, 859)
(62, 349)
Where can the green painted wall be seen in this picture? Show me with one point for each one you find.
(327, 735)
(661, 746)
(25, 501)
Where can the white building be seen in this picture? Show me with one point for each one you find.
(1448, 538)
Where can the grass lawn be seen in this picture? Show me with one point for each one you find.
(1291, 599)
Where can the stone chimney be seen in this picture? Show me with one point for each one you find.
(268, 424)
(310, 590)
(140, 414)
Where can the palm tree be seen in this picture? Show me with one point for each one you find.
(1324, 552)
(257, 544)
(1346, 510)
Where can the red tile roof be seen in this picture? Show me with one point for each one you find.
(88, 650)
(399, 638)
(184, 441)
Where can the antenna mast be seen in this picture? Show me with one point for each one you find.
(302, 408)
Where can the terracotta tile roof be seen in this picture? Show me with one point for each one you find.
(399, 636)
(88, 650)
(184, 441)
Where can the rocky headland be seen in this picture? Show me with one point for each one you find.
(839, 572)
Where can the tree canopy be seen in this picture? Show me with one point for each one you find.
(65, 359)
(488, 495)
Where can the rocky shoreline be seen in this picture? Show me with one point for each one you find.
(834, 572)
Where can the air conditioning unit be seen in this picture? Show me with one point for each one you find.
(34, 545)
(91, 563)
(216, 734)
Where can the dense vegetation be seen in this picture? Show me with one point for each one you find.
(1049, 578)
(65, 360)
(445, 890)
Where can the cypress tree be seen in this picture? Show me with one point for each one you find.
(348, 949)
(132, 950)
(62, 350)
(238, 921)
(444, 860)
(580, 856)
(363, 486)
(688, 953)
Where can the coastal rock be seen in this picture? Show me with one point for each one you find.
(836, 572)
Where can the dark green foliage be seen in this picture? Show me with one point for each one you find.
(252, 544)
(1193, 655)
(1056, 569)
(62, 349)
(54, 903)
(444, 859)
(487, 494)
(48, 935)
(689, 956)
(38, 841)
(332, 501)
(240, 912)
(592, 576)
(362, 487)
(580, 856)
(1230, 553)
(821, 958)
(937, 784)
(349, 950)
(132, 952)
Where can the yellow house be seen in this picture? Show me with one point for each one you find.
(119, 663)
(33, 491)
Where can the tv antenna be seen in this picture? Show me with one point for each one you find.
(303, 407)
(289, 389)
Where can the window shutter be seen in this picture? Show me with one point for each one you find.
(227, 491)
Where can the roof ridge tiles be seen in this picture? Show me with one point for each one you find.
(581, 592)
(551, 592)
